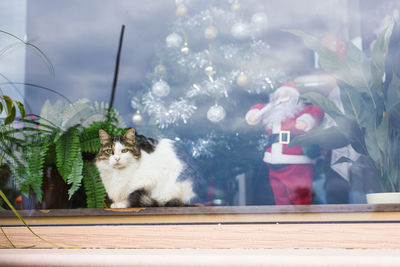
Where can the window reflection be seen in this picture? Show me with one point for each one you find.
(207, 74)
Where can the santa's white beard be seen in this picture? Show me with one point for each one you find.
(282, 111)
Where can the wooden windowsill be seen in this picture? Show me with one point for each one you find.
(272, 227)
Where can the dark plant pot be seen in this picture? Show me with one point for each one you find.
(54, 193)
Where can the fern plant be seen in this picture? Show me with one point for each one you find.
(71, 152)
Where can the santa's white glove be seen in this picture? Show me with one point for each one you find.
(253, 116)
(305, 122)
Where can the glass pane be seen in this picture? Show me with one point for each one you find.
(233, 83)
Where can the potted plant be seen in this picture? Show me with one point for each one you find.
(370, 94)
(54, 159)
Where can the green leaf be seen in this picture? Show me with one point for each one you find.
(11, 115)
(359, 66)
(355, 105)
(353, 72)
(372, 142)
(21, 108)
(377, 62)
(382, 134)
(94, 188)
(393, 101)
(67, 150)
(329, 138)
(75, 176)
(323, 102)
(349, 128)
(329, 60)
(35, 157)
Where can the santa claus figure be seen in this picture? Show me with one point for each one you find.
(286, 116)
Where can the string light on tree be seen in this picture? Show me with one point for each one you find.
(137, 118)
(185, 49)
(209, 70)
(216, 113)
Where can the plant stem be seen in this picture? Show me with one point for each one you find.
(23, 221)
(7, 238)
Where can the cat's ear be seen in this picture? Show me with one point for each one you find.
(104, 137)
(130, 136)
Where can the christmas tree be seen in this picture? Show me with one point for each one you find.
(213, 65)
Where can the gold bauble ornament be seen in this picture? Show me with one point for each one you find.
(160, 69)
(242, 80)
(137, 117)
(181, 11)
(235, 6)
(211, 32)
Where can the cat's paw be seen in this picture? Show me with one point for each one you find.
(119, 205)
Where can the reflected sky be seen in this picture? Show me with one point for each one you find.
(80, 38)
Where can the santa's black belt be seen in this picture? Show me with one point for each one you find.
(283, 137)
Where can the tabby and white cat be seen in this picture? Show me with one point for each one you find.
(145, 174)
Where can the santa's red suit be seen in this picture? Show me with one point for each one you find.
(290, 171)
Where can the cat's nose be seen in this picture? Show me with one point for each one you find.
(117, 159)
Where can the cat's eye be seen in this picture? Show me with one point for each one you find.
(109, 151)
(124, 150)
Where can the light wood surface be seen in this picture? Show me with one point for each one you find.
(255, 236)
(306, 227)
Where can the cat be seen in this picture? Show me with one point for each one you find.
(145, 174)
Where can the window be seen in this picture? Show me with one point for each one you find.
(191, 71)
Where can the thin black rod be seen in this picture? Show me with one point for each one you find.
(114, 86)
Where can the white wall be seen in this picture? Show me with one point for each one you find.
(12, 52)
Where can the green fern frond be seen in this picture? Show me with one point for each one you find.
(75, 176)
(67, 150)
(94, 188)
(35, 158)
(90, 138)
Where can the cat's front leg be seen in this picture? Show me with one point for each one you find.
(120, 204)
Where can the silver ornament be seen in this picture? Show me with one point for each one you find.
(240, 30)
(160, 88)
(174, 40)
(260, 21)
(216, 113)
